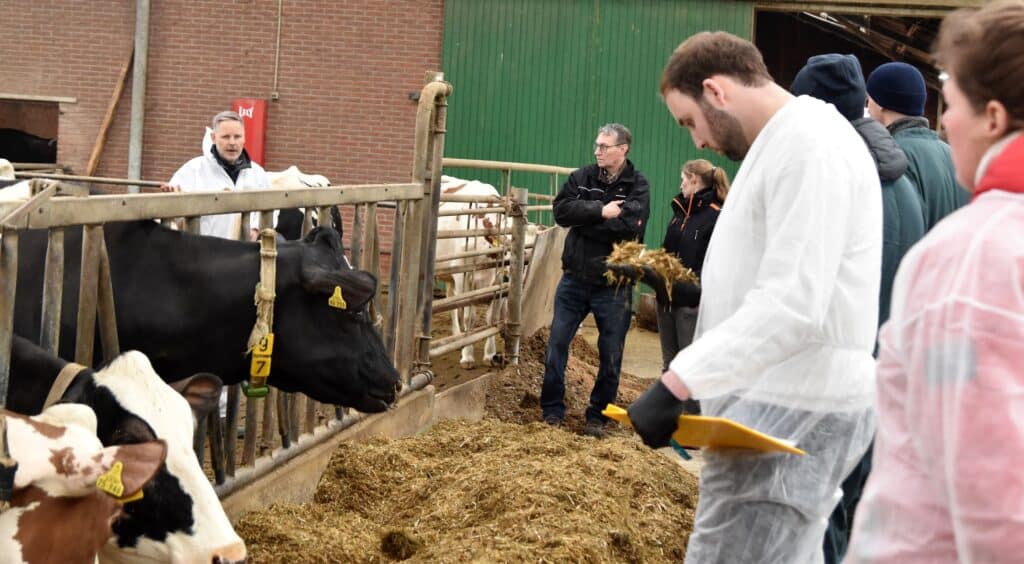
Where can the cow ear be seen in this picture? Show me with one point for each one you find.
(356, 287)
(202, 391)
(326, 236)
(139, 464)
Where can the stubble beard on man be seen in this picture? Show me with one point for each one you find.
(727, 131)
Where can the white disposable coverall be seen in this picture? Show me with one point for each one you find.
(947, 480)
(785, 333)
(204, 174)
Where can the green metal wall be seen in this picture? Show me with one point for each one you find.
(534, 79)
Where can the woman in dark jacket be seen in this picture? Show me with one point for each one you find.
(694, 213)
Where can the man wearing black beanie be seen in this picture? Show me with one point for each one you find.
(838, 80)
(896, 98)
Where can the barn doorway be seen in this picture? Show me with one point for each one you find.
(29, 130)
(788, 39)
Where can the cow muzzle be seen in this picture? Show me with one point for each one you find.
(230, 554)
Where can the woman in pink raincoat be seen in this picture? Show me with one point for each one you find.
(948, 468)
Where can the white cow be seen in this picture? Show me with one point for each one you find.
(6, 170)
(289, 221)
(459, 284)
(292, 177)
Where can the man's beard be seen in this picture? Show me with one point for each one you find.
(727, 131)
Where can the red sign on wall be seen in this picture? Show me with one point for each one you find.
(254, 117)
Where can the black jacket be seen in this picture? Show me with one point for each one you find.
(578, 207)
(688, 235)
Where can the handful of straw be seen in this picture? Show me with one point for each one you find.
(664, 264)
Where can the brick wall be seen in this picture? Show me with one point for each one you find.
(346, 69)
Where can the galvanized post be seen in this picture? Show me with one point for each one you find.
(311, 414)
(324, 217)
(251, 431)
(506, 182)
(231, 431)
(282, 401)
(92, 238)
(107, 311)
(53, 291)
(431, 177)
(9, 277)
(515, 292)
(267, 435)
(371, 261)
(295, 410)
(216, 432)
(307, 221)
(356, 248)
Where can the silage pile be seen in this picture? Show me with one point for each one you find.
(485, 492)
(513, 395)
(635, 255)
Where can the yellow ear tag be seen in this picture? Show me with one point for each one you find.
(110, 481)
(336, 300)
(131, 498)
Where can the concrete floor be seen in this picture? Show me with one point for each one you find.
(642, 357)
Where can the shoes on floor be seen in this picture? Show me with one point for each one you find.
(594, 429)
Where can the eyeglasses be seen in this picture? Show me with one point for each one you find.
(604, 148)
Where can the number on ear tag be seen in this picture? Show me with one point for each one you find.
(110, 481)
(336, 300)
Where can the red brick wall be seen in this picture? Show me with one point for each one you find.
(346, 69)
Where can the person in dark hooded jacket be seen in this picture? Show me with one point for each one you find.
(838, 80)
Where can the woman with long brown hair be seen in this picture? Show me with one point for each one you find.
(947, 483)
(694, 213)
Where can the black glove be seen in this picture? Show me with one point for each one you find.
(655, 415)
(656, 283)
(685, 294)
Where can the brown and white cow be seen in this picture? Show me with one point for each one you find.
(179, 519)
(68, 488)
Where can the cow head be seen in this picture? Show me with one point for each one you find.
(323, 332)
(58, 511)
(179, 518)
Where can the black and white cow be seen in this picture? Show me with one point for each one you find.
(186, 301)
(179, 518)
(21, 147)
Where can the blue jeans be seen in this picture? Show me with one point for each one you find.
(574, 299)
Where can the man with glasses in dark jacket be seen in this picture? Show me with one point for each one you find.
(601, 204)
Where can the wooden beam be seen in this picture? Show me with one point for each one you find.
(101, 137)
(449, 162)
(60, 212)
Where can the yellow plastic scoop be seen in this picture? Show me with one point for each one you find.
(714, 432)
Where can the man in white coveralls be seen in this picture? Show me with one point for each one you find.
(788, 311)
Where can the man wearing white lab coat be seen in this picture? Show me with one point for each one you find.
(224, 165)
(788, 307)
